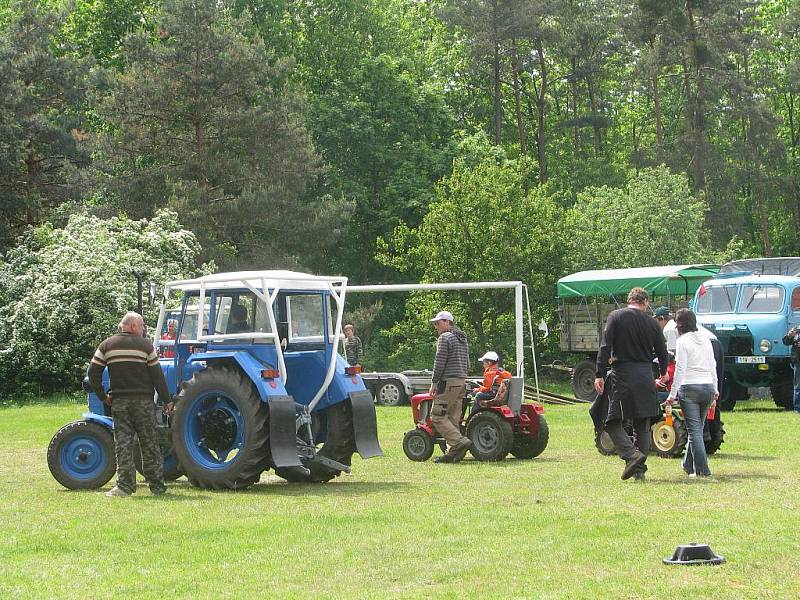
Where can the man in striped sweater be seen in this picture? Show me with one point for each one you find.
(448, 386)
(134, 373)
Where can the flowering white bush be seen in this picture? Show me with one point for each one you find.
(63, 290)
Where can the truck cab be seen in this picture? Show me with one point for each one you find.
(750, 313)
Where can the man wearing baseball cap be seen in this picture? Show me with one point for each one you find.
(448, 385)
(668, 326)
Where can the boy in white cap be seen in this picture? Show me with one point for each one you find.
(493, 376)
(448, 386)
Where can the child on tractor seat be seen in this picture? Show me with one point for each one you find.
(493, 376)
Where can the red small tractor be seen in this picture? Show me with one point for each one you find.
(495, 431)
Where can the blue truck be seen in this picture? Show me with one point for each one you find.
(750, 305)
(257, 385)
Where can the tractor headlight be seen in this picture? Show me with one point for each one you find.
(765, 345)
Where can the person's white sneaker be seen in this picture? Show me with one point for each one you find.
(692, 474)
(116, 492)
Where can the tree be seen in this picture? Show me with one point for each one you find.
(483, 226)
(653, 220)
(63, 290)
(43, 145)
(205, 119)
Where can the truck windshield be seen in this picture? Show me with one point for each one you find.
(761, 299)
(716, 299)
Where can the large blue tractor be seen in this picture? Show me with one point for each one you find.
(258, 384)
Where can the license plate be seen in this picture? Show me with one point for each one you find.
(751, 360)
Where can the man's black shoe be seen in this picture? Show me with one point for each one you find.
(633, 465)
(444, 458)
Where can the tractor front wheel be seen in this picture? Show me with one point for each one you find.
(417, 445)
(491, 435)
(604, 443)
(219, 430)
(669, 440)
(81, 455)
(526, 447)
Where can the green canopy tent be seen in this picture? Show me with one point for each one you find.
(673, 280)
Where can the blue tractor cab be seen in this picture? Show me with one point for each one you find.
(750, 312)
(257, 380)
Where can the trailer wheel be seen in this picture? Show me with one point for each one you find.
(391, 393)
(669, 440)
(526, 447)
(491, 435)
(81, 455)
(582, 380)
(417, 445)
(219, 430)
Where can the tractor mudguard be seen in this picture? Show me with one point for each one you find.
(100, 420)
(283, 432)
(365, 424)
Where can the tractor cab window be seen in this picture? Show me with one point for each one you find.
(187, 328)
(240, 312)
(305, 317)
(761, 299)
(717, 299)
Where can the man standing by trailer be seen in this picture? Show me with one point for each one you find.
(135, 374)
(448, 386)
(630, 340)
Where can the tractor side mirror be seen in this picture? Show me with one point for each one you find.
(151, 293)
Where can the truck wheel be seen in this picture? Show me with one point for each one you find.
(603, 443)
(391, 393)
(491, 435)
(219, 430)
(582, 380)
(669, 440)
(417, 445)
(732, 392)
(526, 447)
(81, 455)
(713, 435)
(783, 393)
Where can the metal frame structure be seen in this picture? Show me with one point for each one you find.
(266, 285)
(518, 288)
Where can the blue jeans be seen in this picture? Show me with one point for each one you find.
(478, 397)
(797, 400)
(695, 400)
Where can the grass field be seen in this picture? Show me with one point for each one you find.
(560, 526)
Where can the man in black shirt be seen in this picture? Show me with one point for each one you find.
(630, 340)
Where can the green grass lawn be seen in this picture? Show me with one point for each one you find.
(561, 526)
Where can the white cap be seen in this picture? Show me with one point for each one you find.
(443, 315)
(490, 355)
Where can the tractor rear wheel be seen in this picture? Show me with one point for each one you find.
(582, 380)
(417, 445)
(81, 455)
(713, 435)
(526, 447)
(669, 440)
(219, 430)
(491, 435)
(340, 444)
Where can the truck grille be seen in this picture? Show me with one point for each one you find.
(737, 345)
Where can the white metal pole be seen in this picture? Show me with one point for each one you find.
(533, 344)
(518, 331)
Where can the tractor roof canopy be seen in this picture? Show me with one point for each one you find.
(658, 281)
(259, 280)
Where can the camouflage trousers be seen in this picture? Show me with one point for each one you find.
(135, 416)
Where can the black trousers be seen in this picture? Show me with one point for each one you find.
(622, 441)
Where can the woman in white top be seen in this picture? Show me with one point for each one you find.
(695, 386)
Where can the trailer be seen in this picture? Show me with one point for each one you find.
(394, 389)
(586, 298)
